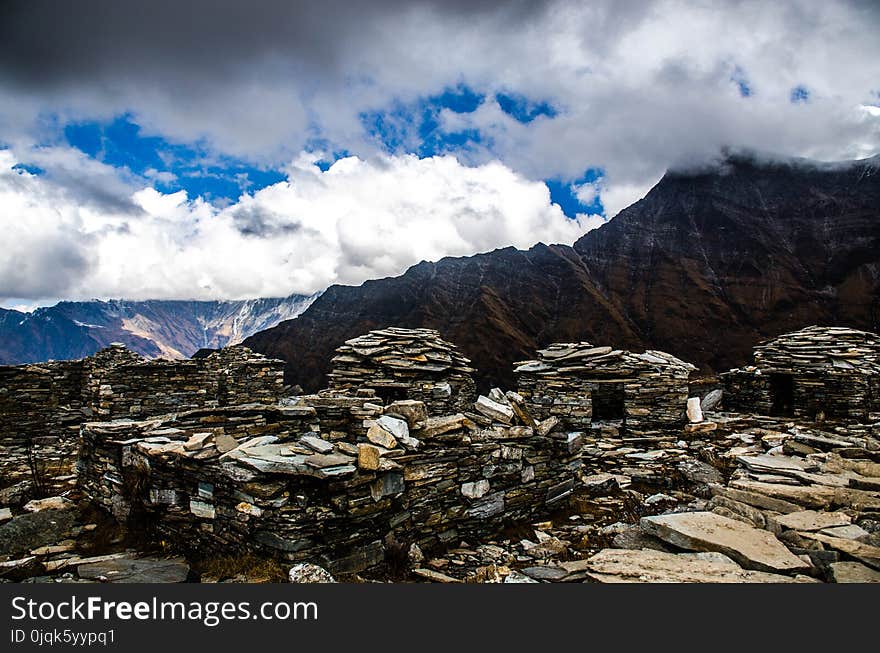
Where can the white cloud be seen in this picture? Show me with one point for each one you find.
(358, 220)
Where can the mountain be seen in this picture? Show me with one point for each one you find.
(707, 264)
(167, 329)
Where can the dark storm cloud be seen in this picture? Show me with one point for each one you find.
(44, 43)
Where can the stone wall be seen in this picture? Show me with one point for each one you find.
(845, 396)
(568, 380)
(286, 493)
(815, 372)
(41, 406)
(415, 364)
(746, 391)
(40, 412)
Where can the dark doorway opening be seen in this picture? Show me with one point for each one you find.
(608, 401)
(391, 394)
(781, 395)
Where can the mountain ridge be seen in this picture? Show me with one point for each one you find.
(153, 328)
(705, 265)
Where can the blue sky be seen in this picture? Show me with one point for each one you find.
(400, 128)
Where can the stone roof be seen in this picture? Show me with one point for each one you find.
(584, 359)
(385, 356)
(840, 349)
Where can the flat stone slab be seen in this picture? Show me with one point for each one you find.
(865, 553)
(139, 570)
(629, 566)
(435, 576)
(853, 572)
(812, 520)
(751, 547)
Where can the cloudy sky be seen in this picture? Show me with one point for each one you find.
(220, 149)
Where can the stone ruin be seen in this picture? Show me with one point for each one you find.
(348, 479)
(816, 373)
(265, 479)
(582, 385)
(400, 363)
(43, 405)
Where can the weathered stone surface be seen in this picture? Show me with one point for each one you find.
(225, 443)
(629, 566)
(319, 445)
(369, 455)
(381, 436)
(704, 531)
(414, 412)
(139, 570)
(847, 532)
(711, 400)
(694, 412)
(810, 520)
(475, 489)
(305, 572)
(31, 530)
(494, 410)
(5, 515)
(853, 572)
(865, 553)
(50, 503)
(435, 576)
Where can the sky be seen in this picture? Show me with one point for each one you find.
(227, 150)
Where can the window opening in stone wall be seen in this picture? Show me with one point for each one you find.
(608, 401)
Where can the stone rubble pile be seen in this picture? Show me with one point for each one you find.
(400, 363)
(52, 541)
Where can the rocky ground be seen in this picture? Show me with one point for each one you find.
(735, 498)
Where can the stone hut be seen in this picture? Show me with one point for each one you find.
(818, 371)
(414, 364)
(584, 385)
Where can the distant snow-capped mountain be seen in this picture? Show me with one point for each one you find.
(154, 328)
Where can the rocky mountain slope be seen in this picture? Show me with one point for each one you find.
(169, 329)
(706, 265)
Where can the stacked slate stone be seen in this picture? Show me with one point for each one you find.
(40, 412)
(122, 384)
(834, 371)
(282, 488)
(820, 348)
(400, 363)
(342, 415)
(42, 406)
(570, 380)
(246, 375)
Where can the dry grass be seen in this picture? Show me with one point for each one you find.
(247, 568)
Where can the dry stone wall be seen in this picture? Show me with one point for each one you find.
(816, 372)
(580, 384)
(40, 412)
(287, 490)
(415, 364)
(42, 406)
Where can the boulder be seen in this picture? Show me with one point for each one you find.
(305, 572)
